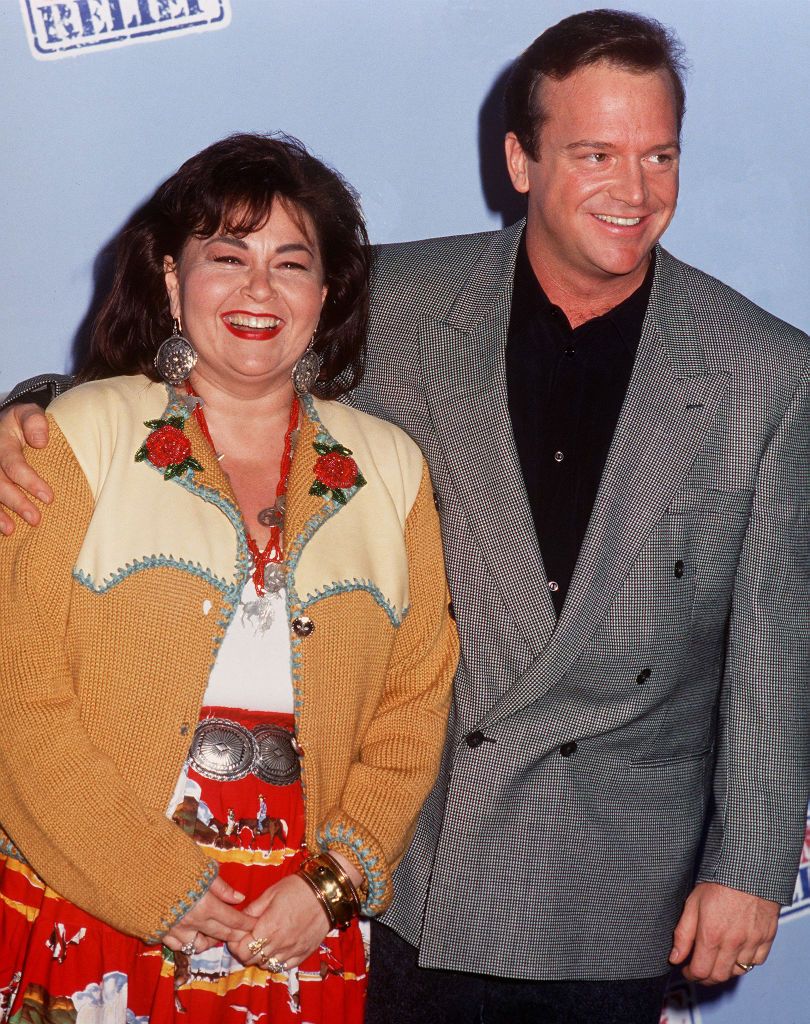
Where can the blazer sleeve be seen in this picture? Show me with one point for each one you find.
(762, 774)
(399, 759)
(63, 803)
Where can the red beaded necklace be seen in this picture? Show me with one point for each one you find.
(273, 551)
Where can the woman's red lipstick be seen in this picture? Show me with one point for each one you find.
(248, 326)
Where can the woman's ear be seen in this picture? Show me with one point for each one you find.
(172, 285)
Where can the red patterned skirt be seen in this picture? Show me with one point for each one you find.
(60, 965)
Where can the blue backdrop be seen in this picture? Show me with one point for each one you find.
(104, 98)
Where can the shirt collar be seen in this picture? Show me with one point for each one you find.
(529, 301)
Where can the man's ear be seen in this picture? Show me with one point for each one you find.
(516, 162)
(172, 285)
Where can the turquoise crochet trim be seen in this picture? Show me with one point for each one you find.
(8, 849)
(152, 562)
(182, 907)
(396, 618)
(295, 606)
(344, 835)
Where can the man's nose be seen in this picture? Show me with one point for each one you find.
(630, 185)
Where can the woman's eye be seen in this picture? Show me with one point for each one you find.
(228, 259)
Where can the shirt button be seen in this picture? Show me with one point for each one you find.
(678, 569)
(553, 586)
(567, 749)
(475, 739)
(302, 625)
(558, 456)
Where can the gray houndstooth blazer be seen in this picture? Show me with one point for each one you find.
(660, 729)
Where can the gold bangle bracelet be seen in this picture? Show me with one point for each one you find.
(333, 887)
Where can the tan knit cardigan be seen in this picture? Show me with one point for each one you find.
(112, 612)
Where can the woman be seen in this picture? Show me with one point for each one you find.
(227, 652)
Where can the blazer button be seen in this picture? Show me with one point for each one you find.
(475, 739)
(678, 569)
(302, 625)
(436, 501)
(567, 749)
(451, 611)
(643, 676)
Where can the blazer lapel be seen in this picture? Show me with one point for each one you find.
(463, 357)
(671, 401)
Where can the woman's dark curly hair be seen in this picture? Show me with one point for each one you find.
(231, 187)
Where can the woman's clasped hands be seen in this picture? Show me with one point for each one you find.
(286, 916)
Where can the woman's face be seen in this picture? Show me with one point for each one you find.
(249, 305)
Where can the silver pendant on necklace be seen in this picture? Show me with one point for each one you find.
(275, 577)
(273, 515)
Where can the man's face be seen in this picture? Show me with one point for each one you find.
(604, 187)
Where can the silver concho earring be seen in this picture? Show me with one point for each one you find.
(176, 358)
(306, 370)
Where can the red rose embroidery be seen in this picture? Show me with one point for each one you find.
(167, 446)
(336, 470)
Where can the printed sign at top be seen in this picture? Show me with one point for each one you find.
(71, 27)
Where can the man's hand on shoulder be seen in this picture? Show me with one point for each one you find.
(20, 425)
(723, 928)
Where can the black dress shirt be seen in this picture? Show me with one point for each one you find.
(566, 388)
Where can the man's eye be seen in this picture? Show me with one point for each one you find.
(597, 158)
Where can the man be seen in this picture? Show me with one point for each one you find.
(616, 441)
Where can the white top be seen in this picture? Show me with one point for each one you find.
(252, 669)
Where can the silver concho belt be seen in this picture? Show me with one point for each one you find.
(226, 750)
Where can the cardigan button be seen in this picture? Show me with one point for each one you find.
(302, 625)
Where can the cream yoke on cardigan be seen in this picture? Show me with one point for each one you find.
(143, 577)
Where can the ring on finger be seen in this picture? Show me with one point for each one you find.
(189, 948)
(270, 963)
(257, 945)
(744, 967)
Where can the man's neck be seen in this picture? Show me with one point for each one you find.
(582, 300)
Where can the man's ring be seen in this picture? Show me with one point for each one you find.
(257, 945)
(189, 948)
(744, 967)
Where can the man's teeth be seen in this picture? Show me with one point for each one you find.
(624, 222)
(260, 323)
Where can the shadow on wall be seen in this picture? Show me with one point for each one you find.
(103, 270)
(497, 189)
